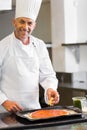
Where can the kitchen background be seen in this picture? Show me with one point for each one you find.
(62, 24)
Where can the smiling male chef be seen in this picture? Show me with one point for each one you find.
(24, 63)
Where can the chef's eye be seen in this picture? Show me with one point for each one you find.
(30, 23)
(22, 21)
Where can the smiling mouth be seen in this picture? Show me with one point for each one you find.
(24, 30)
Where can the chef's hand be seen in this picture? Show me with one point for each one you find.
(53, 96)
(12, 106)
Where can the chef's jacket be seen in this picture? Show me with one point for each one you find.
(22, 68)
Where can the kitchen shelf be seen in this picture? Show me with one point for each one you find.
(75, 49)
(74, 44)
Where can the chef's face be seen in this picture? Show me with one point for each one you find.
(23, 27)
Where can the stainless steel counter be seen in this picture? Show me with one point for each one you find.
(12, 122)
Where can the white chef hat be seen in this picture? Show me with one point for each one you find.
(27, 8)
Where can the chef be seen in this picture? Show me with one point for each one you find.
(24, 63)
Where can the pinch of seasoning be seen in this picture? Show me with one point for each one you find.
(50, 101)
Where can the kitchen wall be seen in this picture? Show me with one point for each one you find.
(43, 29)
(51, 27)
(69, 26)
(6, 23)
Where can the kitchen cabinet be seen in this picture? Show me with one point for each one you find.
(69, 90)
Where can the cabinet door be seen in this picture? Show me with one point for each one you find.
(66, 95)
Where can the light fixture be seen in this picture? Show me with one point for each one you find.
(5, 5)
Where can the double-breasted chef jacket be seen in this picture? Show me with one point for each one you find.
(22, 68)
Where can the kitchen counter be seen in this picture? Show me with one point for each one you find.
(75, 85)
(12, 122)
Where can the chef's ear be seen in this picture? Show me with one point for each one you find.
(13, 22)
(34, 25)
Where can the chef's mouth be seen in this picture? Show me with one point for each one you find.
(24, 30)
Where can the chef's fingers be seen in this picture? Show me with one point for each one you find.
(52, 101)
(17, 108)
(57, 97)
(54, 98)
(52, 93)
(12, 106)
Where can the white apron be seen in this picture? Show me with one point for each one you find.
(22, 66)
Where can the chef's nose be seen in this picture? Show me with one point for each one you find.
(26, 26)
